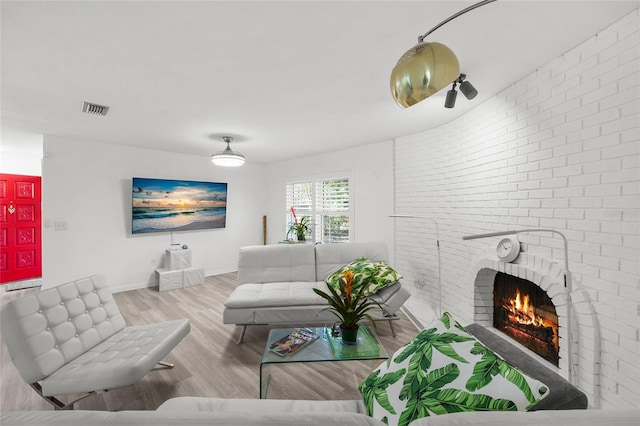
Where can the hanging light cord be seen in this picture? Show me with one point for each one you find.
(452, 17)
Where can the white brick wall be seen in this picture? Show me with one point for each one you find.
(558, 149)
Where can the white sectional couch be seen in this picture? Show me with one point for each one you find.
(276, 284)
(191, 411)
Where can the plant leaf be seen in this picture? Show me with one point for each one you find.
(484, 370)
(516, 377)
(491, 365)
(457, 400)
(446, 320)
(375, 387)
(417, 392)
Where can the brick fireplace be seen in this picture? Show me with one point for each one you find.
(548, 275)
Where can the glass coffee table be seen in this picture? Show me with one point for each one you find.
(326, 348)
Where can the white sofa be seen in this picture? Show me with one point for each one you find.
(188, 411)
(276, 284)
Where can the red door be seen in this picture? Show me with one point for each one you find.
(20, 228)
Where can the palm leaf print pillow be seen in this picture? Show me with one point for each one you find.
(444, 369)
(377, 275)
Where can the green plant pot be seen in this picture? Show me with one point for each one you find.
(349, 335)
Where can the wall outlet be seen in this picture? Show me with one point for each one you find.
(60, 225)
(420, 282)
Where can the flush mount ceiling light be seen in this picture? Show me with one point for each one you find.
(427, 68)
(228, 158)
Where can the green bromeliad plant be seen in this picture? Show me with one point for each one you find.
(349, 303)
(299, 227)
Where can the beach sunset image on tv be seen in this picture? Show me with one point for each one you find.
(161, 205)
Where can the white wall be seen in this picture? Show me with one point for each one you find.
(370, 169)
(558, 149)
(27, 163)
(88, 185)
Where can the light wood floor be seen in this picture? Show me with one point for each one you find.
(208, 361)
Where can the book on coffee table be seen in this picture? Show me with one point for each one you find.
(293, 341)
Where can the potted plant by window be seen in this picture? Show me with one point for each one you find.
(300, 228)
(349, 304)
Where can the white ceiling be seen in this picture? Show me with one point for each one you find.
(286, 79)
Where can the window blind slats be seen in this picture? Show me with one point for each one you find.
(327, 202)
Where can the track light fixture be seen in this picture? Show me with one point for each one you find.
(466, 88)
(429, 67)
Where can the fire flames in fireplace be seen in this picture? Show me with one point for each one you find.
(523, 311)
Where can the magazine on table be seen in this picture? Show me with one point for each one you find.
(293, 341)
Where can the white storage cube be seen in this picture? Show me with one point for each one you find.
(169, 280)
(177, 259)
(193, 276)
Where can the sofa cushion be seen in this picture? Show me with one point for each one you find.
(377, 275)
(305, 314)
(444, 369)
(266, 295)
(276, 263)
(249, 417)
(195, 404)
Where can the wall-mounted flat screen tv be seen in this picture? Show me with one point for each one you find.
(161, 205)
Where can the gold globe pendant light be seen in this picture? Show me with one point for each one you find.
(423, 70)
(427, 67)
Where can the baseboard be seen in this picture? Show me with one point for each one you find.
(412, 318)
(21, 285)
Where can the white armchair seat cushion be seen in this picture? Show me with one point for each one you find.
(120, 360)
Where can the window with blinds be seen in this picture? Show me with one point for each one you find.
(326, 204)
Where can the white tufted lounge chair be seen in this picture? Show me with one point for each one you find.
(72, 339)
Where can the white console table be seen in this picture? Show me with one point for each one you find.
(177, 271)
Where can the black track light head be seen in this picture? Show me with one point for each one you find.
(468, 90)
(452, 94)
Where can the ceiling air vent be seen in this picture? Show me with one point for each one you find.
(96, 109)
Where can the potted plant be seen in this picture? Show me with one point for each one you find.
(300, 228)
(349, 304)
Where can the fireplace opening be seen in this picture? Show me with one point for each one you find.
(524, 312)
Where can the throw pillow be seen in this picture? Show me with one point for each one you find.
(379, 275)
(444, 369)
